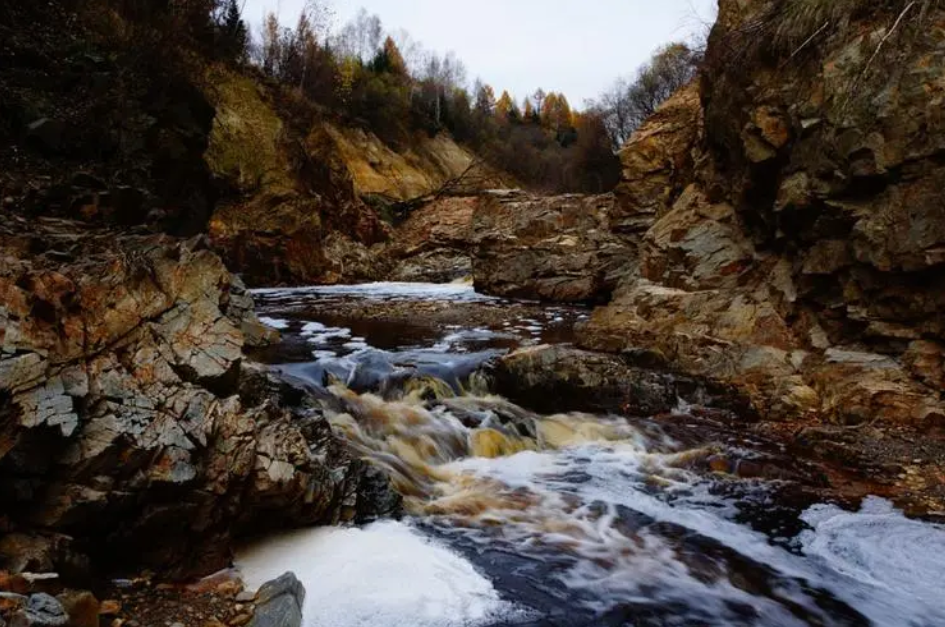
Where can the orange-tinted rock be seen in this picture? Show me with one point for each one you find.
(82, 607)
(294, 194)
(557, 248)
(123, 364)
(109, 607)
(790, 237)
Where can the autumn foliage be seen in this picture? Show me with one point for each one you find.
(386, 84)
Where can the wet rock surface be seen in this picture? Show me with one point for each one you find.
(672, 485)
(560, 378)
(132, 429)
(40, 610)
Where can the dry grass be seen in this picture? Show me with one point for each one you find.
(796, 24)
(784, 29)
(797, 21)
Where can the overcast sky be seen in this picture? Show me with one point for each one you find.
(573, 46)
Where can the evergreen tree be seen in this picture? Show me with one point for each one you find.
(235, 36)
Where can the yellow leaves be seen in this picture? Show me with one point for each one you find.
(395, 60)
(556, 112)
(504, 106)
(347, 73)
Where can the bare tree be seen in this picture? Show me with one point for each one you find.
(361, 37)
(539, 98)
(629, 103)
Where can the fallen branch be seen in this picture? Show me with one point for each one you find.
(809, 40)
(403, 209)
(879, 47)
(886, 38)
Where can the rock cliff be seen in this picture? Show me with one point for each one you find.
(793, 236)
(548, 248)
(777, 231)
(435, 242)
(421, 167)
(291, 214)
(131, 431)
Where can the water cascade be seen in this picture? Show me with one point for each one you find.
(516, 518)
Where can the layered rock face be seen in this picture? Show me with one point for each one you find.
(795, 249)
(292, 216)
(568, 248)
(130, 430)
(422, 167)
(557, 248)
(434, 244)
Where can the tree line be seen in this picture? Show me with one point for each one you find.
(388, 84)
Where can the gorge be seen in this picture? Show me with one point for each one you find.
(712, 396)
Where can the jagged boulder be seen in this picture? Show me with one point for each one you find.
(40, 610)
(555, 379)
(435, 242)
(279, 603)
(658, 163)
(831, 155)
(128, 419)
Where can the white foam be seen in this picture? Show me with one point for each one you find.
(884, 565)
(275, 323)
(418, 291)
(384, 574)
(318, 333)
(903, 560)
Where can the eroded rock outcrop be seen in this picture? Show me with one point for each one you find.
(576, 248)
(795, 244)
(558, 248)
(554, 379)
(420, 167)
(434, 244)
(130, 429)
(657, 163)
(291, 216)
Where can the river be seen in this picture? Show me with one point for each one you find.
(516, 518)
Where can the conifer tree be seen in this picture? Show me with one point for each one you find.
(234, 32)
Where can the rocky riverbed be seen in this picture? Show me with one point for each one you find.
(664, 504)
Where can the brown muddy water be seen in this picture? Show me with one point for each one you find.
(516, 518)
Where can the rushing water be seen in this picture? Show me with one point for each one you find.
(520, 519)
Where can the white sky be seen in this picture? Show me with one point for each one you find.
(578, 47)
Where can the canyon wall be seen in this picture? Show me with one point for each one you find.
(794, 234)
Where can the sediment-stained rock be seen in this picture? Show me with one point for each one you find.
(128, 420)
(435, 243)
(794, 249)
(558, 248)
(658, 163)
